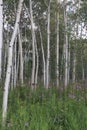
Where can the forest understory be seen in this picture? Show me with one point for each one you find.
(42, 109)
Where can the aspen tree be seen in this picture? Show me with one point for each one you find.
(57, 46)
(15, 63)
(33, 47)
(43, 57)
(21, 56)
(37, 62)
(48, 46)
(66, 45)
(9, 65)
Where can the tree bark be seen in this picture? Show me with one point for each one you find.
(9, 66)
(48, 47)
(33, 47)
(66, 45)
(21, 57)
(57, 47)
(37, 63)
(43, 57)
(1, 35)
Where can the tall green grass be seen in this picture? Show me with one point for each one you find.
(45, 110)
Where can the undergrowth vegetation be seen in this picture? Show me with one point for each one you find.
(43, 109)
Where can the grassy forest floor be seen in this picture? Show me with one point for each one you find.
(43, 109)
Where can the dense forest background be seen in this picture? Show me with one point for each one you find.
(43, 48)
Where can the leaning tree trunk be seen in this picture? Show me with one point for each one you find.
(48, 47)
(1, 34)
(9, 66)
(33, 47)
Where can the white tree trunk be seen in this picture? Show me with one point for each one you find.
(13, 70)
(66, 45)
(9, 66)
(48, 47)
(18, 67)
(1, 35)
(37, 63)
(21, 57)
(57, 48)
(15, 64)
(6, 52)
(43, 57)
(33, 47)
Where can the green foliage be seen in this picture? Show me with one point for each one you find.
(45, 110)
(83, 11)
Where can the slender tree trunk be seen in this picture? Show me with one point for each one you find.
(74, 62)
(48, 47)
(4, 61)
(6, 46)
(9, 66)
(33, 47)
(74, 55)
(68, 63)
(18, 67)
(15, 63)
(66, 45)
(43, 57)
(1, 35)
(57, 48)
(37, 63)
(62, 76)
(21, 57)
(13, 70)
